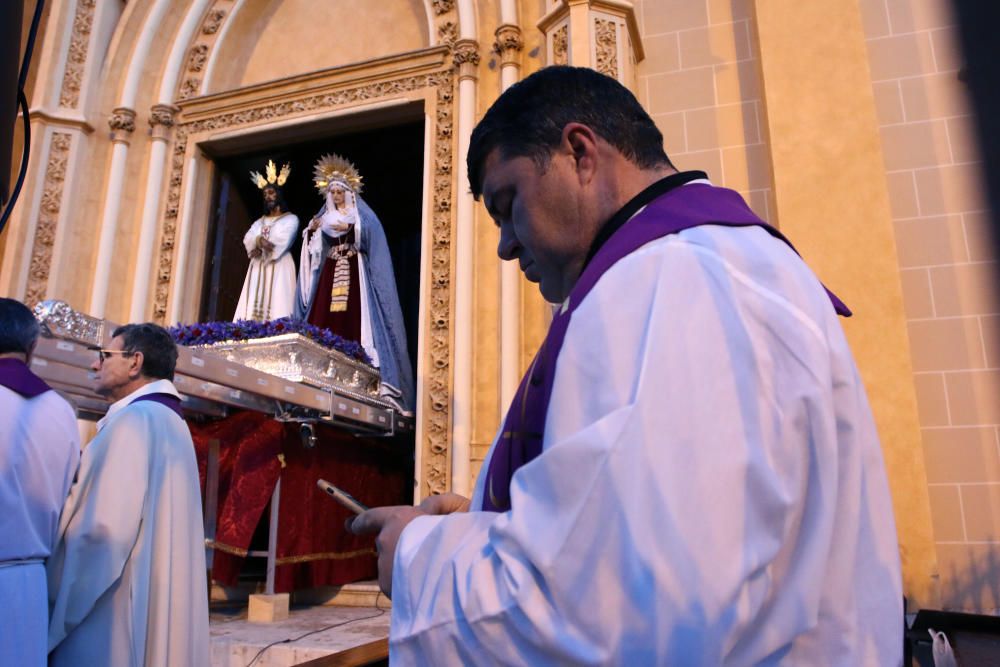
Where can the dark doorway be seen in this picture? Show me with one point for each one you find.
(390, 160)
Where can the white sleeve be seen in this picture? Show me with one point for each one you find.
(283, 235)
(100, 522)
(668, 483)
(250, 238)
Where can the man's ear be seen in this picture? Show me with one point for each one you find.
(581, 141)
(135, 369)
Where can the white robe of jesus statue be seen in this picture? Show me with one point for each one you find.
(269, 288)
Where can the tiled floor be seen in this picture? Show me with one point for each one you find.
(237, 643)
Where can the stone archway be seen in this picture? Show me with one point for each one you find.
(426, 75)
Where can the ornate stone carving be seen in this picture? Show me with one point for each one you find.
(606, 36)
(163, 114)
(48, 218)
(122, 124)
(443, 6)
(213, 21)
(560, 46)
(189, 88)
(466, 51)
(436, 407)
(197, 57)
(448, 33)
(465, 57)
(508, 43)
(161, 119)
(76, 58)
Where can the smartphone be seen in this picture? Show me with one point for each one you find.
(341, 496)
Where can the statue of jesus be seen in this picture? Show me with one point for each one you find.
(269, 288)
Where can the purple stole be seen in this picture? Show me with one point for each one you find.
(16, 376)
(681, 208)
(163, 398)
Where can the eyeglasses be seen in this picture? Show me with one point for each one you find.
(104, 354)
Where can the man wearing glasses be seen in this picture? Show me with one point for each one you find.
(126, 579)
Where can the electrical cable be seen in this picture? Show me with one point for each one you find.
(22, 101)
(381, 612)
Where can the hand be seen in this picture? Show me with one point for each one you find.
(445, 503)
(389, 523)
(341, 226)
(314, 224)
(266, 245)
(255, 253)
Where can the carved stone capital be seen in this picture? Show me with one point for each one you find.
(122, 124)
(465, 57)
(508, 43)
(161, 119)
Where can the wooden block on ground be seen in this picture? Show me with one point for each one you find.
(268, 608)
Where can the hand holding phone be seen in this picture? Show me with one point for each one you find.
(341, 496)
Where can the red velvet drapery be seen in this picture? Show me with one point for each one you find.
(313, 547)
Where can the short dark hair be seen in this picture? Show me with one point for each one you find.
(528, 119)
(159, 351)
(19, 330)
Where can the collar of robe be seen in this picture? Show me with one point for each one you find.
(16, 376)
(666, 209)
(165, 399)
(635, 204)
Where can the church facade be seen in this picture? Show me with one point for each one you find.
(843, 123)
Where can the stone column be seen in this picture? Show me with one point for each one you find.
(508, 46)
(122, 124)
(466, 60)
(161, 121)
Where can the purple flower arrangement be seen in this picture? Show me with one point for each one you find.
(207, 333)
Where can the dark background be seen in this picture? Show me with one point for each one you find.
(390, 160)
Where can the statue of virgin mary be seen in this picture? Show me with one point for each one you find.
(346, 282)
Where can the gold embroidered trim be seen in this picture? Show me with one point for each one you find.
(329, 555)
(225, 548)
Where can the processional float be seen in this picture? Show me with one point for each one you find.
(288, 377)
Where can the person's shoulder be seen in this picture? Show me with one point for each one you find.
(58, 405)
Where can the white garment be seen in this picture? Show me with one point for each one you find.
(39, 453)
(24, 615)
(127, 579)
(711, 490)
(269, 287)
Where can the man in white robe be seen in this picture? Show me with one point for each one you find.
(127, 578)
(39, 453)
(707, 486)
(269, 287)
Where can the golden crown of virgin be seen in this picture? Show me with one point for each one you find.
(333, 168)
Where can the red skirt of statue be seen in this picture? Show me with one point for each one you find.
(345, 323)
